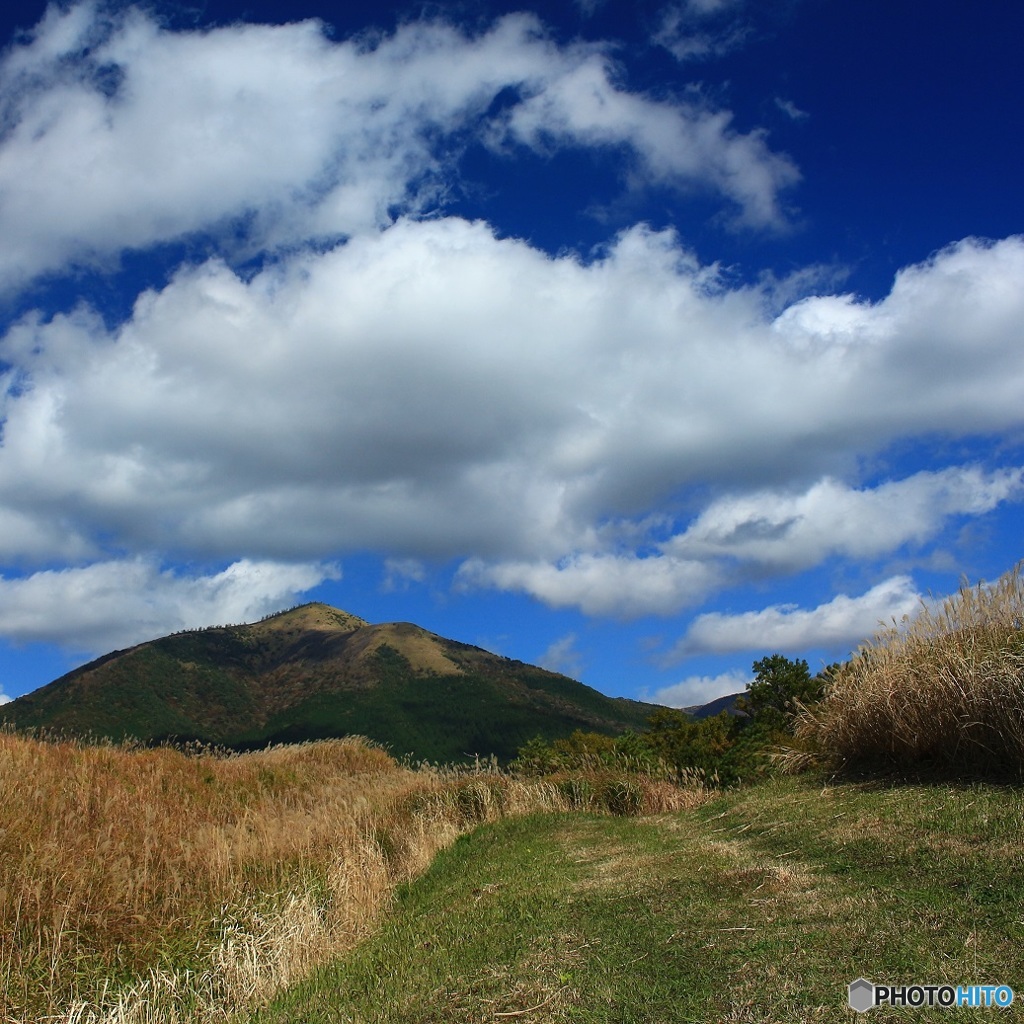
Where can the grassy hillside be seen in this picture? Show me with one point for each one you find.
(316, 672)
(760, 906)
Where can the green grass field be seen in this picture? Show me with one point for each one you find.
(760, 906)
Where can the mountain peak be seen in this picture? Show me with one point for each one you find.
(316, 615)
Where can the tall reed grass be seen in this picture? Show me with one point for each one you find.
(941, 691)
(157, 885)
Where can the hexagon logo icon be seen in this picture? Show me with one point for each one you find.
(862, 995)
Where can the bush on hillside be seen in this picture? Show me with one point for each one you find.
(587, 751)
(726, 749)
(943, 691)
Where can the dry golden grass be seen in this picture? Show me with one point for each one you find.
(944, 690)
(154, 885)
(422, 650)
(114, 857)
(315, 616)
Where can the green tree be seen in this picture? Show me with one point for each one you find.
(780, 686)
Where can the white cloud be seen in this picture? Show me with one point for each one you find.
(428, 389)
(434, 391)
(676, 143)
(624, 434)
(621, 585)
(4, 699)
(563, 656)
(696, 690)
(25, 536)
(842, 623)
(753, 533)
(794, 531)
(277, 135)
(115, 604)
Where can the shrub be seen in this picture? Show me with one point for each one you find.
(687, 743)
(588, 751)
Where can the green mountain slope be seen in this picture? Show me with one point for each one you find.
(316, 672)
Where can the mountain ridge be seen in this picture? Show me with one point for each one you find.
(314, 672)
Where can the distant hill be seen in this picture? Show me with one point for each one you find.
(716, 707)
(315, 672)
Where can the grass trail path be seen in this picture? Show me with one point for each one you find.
(759, 907)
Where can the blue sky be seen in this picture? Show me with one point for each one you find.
(636, 340)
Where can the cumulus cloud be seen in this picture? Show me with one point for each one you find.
(696, 690)
(435, 391)
(276, 135)
(623, 433)
(116, 604)
(754, 533)
(842, 623)
(621, 585)
(788, 531)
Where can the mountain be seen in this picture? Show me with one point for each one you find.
(716, 707)
(315, 672)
